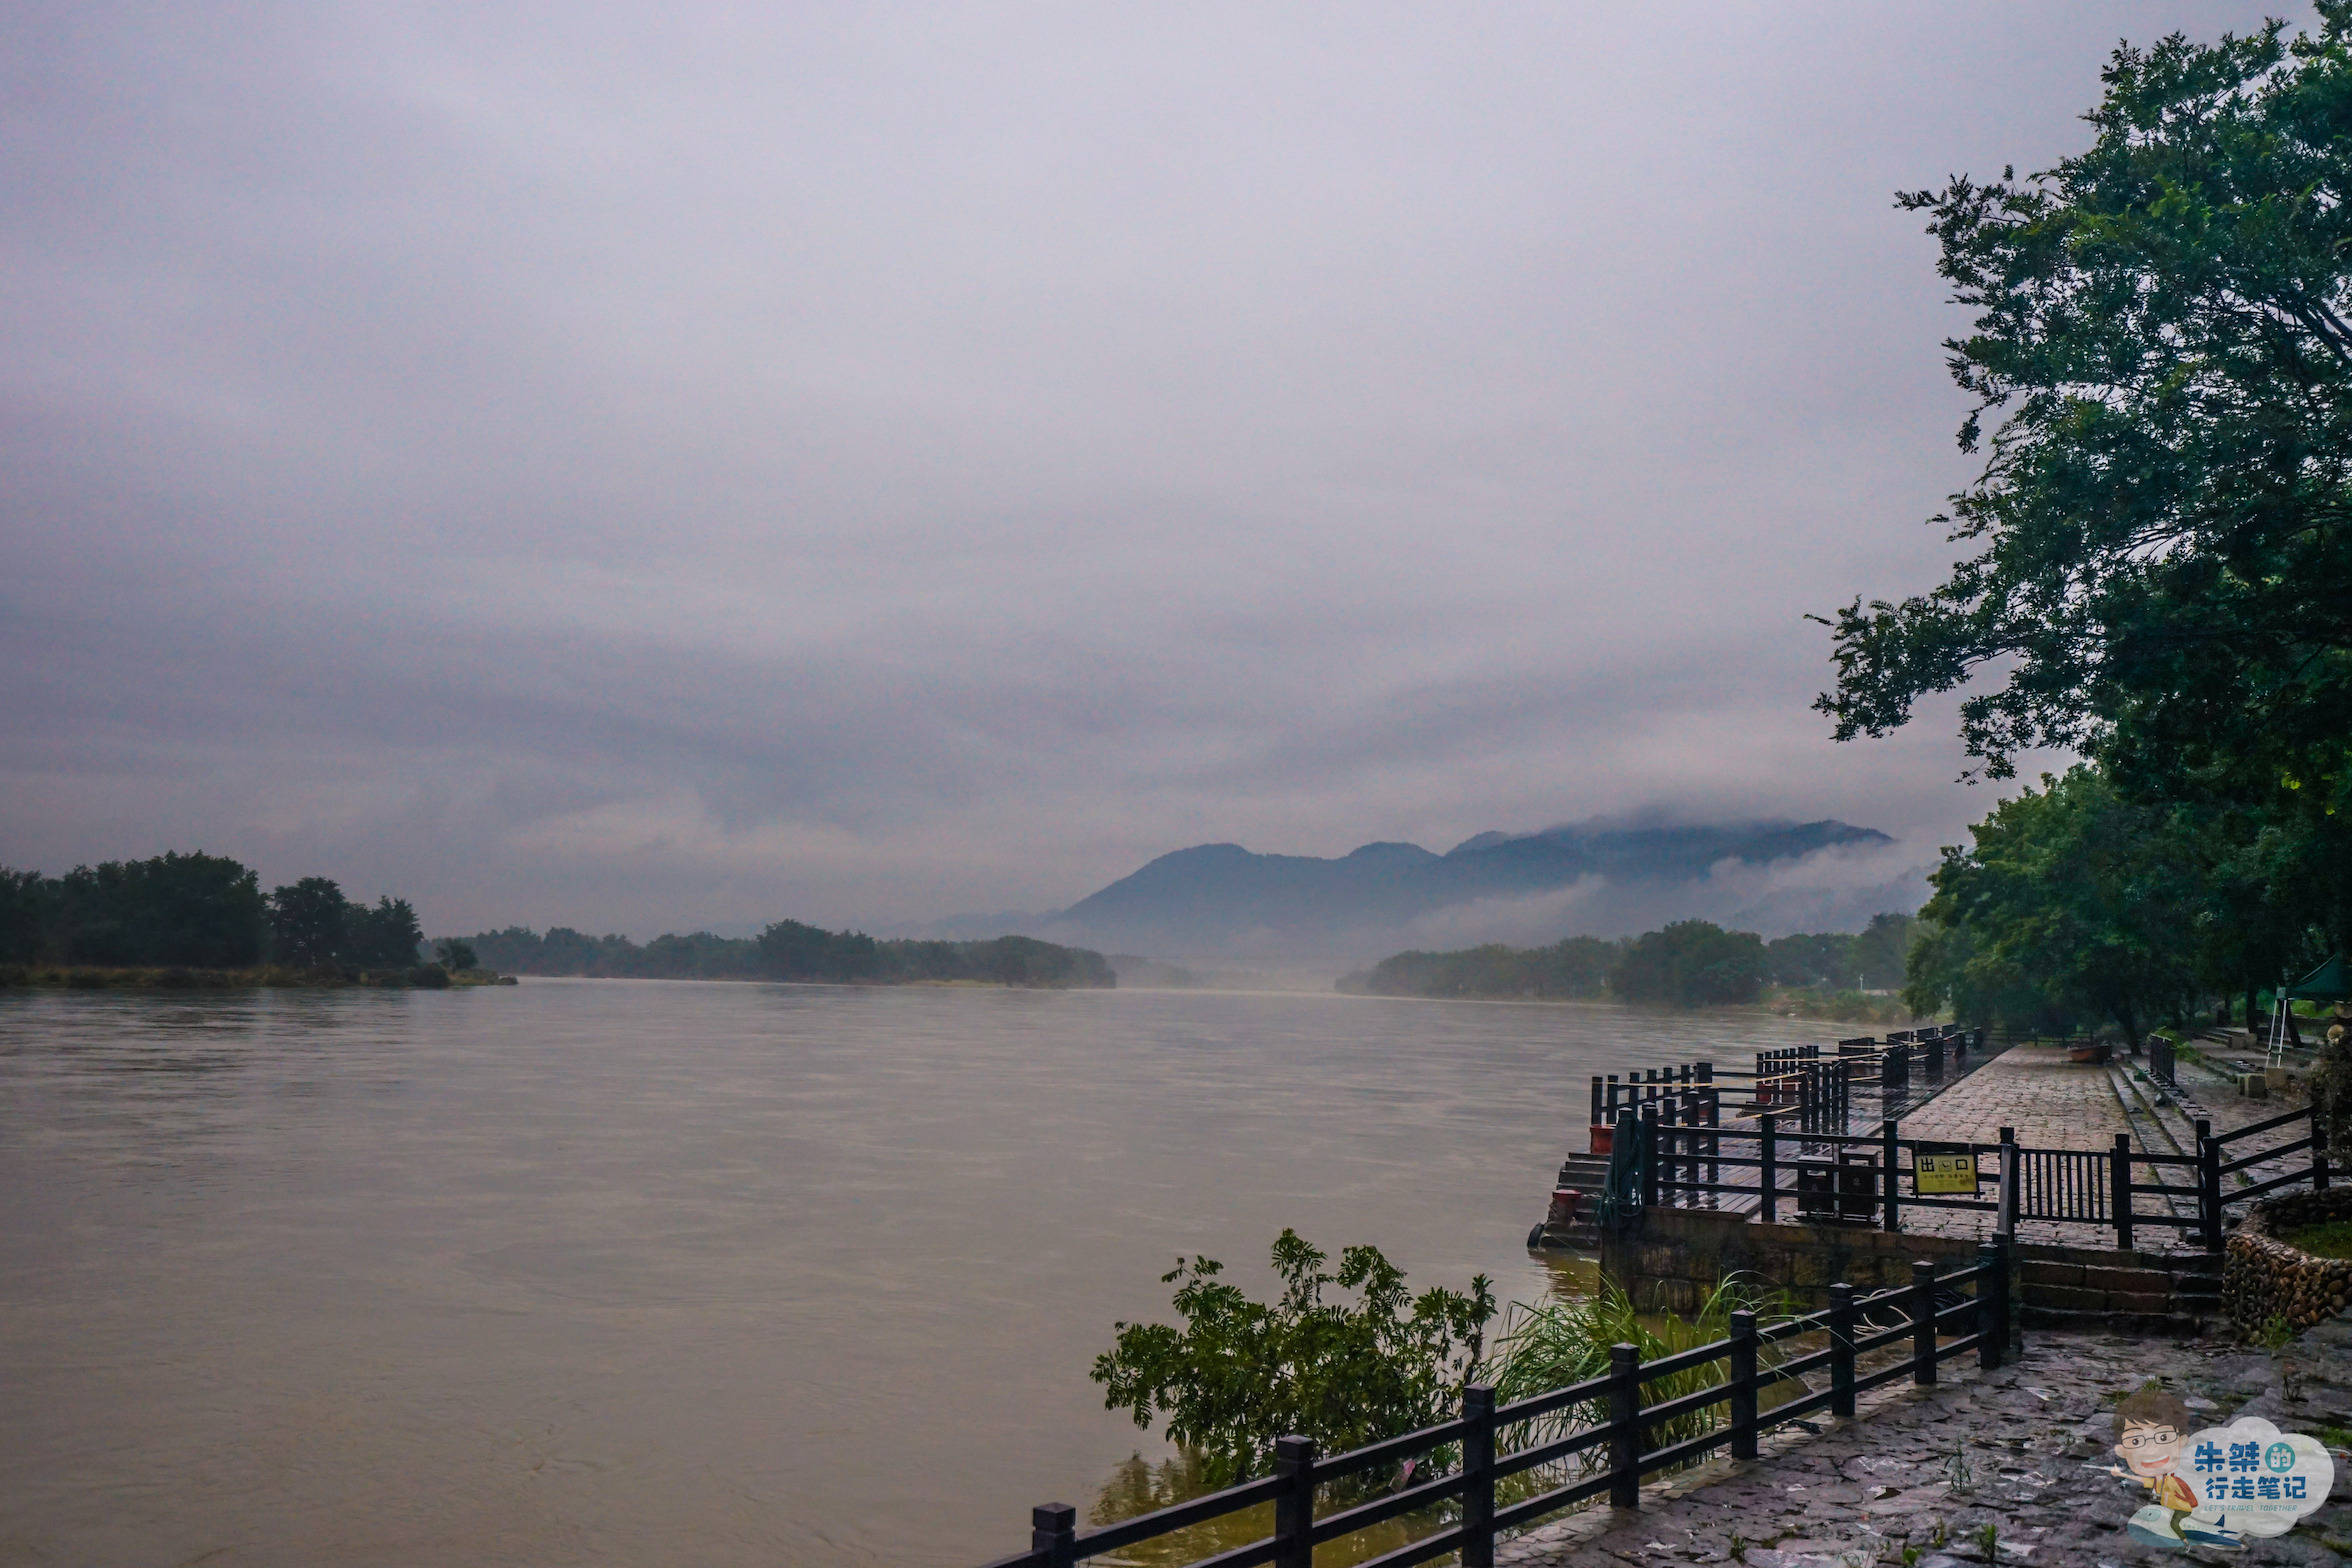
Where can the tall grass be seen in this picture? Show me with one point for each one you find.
(1548, 1347)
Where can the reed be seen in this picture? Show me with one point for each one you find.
(1559, 1343)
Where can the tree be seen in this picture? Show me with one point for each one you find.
(2160, 540)
(456, 954)
(200, 911)
(384, 937)
(789, 950)
(1241, 1373)
(27, 910)
(1878, 952)
(2163, 333)
(2072, 904)
(1691, 963)
(1811, 958)
(306, 923)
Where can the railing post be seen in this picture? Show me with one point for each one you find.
(2319, 1153)
(1923, 1323)
(1890, 1179)
(2119, 1191)
(1841, 1349)
(1649, 1146)
(1743, 1384)
(1624, 1426)
(1712, 1099)
(1990, 1277)
(1294, 1505)
(2209, 1184)
(2006, 1297)
(1478, 1479)
(1596, 1100)
(1053, 1530)
(1676, 1119)
(1768, 1170)
(2005, 1222)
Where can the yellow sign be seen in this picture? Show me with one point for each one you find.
(1944, 1172)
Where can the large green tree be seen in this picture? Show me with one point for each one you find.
(306, 922)
(202, 911)
(2158, 549)
(386, 936)
(1691, 963)
(2073, 905)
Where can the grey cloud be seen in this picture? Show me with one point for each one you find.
(643, 465)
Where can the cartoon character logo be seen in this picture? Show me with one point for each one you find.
(2149, 1427)
(2217, 1486)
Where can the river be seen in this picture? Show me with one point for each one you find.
(639, 1272)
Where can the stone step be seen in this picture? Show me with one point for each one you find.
(2076, 1298)
(2101, 1276)
(2170, 1325)
(1567, 1238)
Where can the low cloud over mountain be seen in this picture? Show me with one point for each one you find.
(1599, 877)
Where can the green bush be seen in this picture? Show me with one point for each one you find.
(1241, 1373)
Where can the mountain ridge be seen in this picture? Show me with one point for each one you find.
(1223, 896)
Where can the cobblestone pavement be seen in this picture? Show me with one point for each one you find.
(2053, 1103)
(1916, 1477)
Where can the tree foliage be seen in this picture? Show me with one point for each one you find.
(1241, 1373)
(306, 922)
(313, 925)
(196, 912)
(1873, 957)
(199, 911)
(1575, 968)
(2158, 541)
(1691, 963)
(792, 950)
(2156, 562)
(2073, 905)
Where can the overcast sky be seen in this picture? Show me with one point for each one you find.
(648, 465)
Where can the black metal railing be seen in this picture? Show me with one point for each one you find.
(1820, 1088)
(1496, 1442)
(1774, 1164)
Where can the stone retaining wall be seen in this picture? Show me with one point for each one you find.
(1677, 1256)
(2262, 1277)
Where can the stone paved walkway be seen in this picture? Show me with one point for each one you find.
(2053, 1103)
(2033, 1440)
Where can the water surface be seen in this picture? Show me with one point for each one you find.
(640, 1272)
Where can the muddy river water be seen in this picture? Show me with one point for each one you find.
(611, 1272)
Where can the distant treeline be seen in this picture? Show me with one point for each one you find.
(789, 950)
(1692, 963)
(197, 912)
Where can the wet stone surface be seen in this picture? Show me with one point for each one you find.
(1917, 1477)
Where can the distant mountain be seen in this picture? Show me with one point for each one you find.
(1601, 877)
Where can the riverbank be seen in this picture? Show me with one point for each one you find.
(95, 977)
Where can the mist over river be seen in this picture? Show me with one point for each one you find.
(639, 1272)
